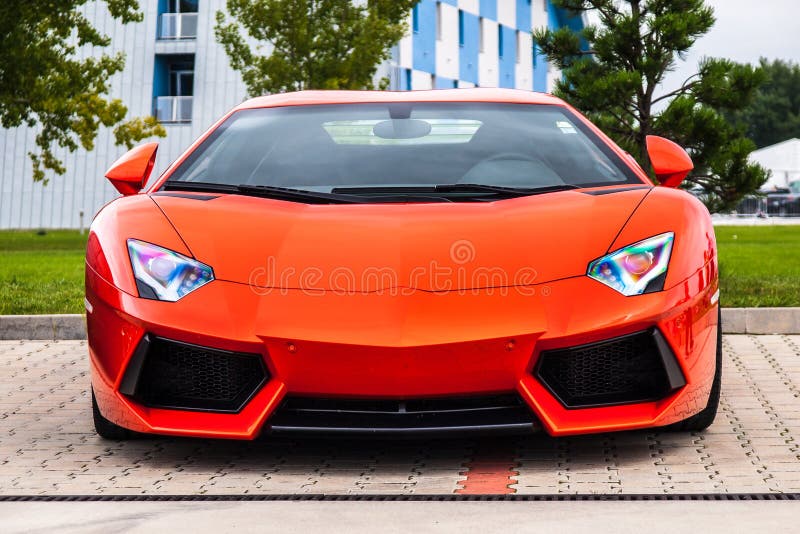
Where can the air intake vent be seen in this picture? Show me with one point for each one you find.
(634, 368)
(170, 374)
(430, 416)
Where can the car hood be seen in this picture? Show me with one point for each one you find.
(418, 246)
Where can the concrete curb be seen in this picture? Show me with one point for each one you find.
(71, 326)
(734, 321)
(761, 320)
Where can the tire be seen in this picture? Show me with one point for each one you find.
(105, 428)
(703, 420)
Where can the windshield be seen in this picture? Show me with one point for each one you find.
(323, 148)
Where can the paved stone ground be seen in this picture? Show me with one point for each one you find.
(48, 446)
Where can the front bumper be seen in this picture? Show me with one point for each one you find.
(401, 345)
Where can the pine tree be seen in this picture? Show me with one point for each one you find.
(613, 71)
(774, 114)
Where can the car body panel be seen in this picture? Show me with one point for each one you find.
(415, 345)
(463, 333)
(429, 246)
(665, 210)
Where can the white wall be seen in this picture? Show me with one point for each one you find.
(421, 80)
(488, 60)
(524, 69)
(538, 14)
(217, 88)
(447, 42)
(507, 13)
(405, 48)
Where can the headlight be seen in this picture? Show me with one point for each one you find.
(162, 274)
(635, 269)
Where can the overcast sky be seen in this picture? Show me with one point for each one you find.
(745, 31)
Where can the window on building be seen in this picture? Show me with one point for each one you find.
(173, 87)
(179, 21)
(415, 19)
(433, 81)
(460, 28)
(455, 84)
(518, 34)
(181, 79)
(408, 79)
(182, 6)
(500, 47)
(480, 35)
(438, 21)
(544, 5)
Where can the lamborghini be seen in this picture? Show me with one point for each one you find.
(402, 264)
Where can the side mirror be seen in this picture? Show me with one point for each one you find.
(131, 171)
(670, 162)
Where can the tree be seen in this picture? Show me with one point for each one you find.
(310, 44)
(774, 114)
(613, 71)
(44, 84)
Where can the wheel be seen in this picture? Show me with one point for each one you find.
(105, 428)
(703, 420)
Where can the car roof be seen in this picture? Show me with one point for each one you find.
(483, 94)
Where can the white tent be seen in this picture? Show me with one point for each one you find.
(783, 159)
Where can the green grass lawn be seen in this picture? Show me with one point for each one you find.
(41, 273)
(759, 266)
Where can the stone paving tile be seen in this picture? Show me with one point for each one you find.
(47, 444)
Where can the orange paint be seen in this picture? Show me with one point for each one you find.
(408, 336)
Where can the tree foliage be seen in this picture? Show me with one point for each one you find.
(614, 70)
(44, 84)
(291, 45)
(774, 114)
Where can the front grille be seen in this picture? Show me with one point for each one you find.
(428, 416)
(179, 375)
(634, 368)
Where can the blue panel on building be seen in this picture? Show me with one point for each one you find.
(160, 75)
(445, 83)
(539, 71)
(539, 59)
(468, 52)
(451, 2)
(488, 9)
(524, 15)
(552, 17)
(424, 36)
(507, 38)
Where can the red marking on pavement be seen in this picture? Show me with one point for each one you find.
(489, 472)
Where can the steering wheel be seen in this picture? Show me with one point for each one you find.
(521, 170)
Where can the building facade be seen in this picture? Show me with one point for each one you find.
(176, 71)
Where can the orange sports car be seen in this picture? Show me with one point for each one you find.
(402, 263)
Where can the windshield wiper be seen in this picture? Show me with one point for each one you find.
(357, 195)
(500, 189)
(266, 191)
(497, 190)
